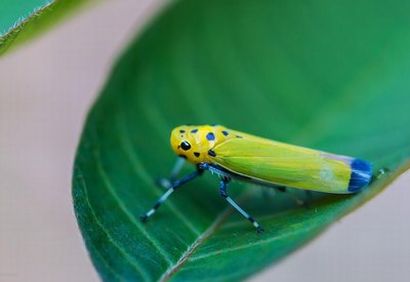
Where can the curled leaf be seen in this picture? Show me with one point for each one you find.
(327, 75)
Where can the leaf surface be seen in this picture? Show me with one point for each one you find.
(22, 20)
(326, 75)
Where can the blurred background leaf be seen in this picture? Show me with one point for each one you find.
(22, 20)
(327, 75)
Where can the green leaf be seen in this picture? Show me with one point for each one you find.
(22, 20)
(331, 75)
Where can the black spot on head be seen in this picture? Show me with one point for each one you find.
(185, 145)
(181, 131)
(224, 132)
(196, 154)
(210, 136)
(211, 153)
(194, 130)
(238, 136)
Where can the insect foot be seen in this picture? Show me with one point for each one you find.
(163, 183)
(260, 229)
(144, 218)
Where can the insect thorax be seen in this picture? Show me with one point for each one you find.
(195, 143)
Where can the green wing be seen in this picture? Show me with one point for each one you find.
(284, 164)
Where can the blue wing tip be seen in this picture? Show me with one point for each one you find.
(360, 176)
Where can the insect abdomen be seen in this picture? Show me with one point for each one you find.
(360, 176)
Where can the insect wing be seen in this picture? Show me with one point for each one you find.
(284, 164)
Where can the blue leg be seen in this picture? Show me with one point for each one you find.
(174, 186)
(284, 189)
(224, 193)
(167, 182)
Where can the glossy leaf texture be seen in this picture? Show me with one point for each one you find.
(327, 75)
(22, 20)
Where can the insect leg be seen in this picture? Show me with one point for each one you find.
(296, 199)
(179, 163)
(309, 197)
(167, 182)
(379, 174)
(280, 188)
(224, 193)
(284, 189)
(176, 184)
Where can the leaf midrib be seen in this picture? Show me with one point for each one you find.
(203, 236)
(219, 220)
(197, 243)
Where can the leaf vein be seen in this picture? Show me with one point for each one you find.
(131, 217)
(197, 243)
(132, 260)
(141, 171)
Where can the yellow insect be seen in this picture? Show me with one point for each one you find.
(236, 155)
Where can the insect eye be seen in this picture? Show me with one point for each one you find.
(185, 146)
